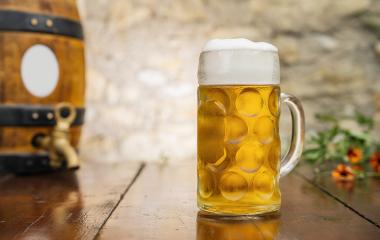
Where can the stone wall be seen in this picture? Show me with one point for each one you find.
(142, 58)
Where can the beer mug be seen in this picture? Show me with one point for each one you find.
(239, 102)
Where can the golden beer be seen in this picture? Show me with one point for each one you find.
(238, 149)
(238, 134)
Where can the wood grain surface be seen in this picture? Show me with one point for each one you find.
(362, 196)
(66, 205)
(129, 201)
(162, 205)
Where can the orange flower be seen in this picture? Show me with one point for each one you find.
(375, 161)
(342, 173)
(355, 155)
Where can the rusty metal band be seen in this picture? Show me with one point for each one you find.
(33, 116)
(31, 22)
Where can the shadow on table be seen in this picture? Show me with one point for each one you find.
(211, 227)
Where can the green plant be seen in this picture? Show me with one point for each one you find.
(355, 148)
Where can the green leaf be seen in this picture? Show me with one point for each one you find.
(364, 120)
(313, 155)
(331, 133)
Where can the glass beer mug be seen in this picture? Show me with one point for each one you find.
(239, 101)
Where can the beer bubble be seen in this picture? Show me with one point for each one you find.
(206, 183)
(212, 152)
(211, 132)
(273, 102)
(221, 164)
(263, 185)
(217, 95)
(274, 155)
(211, 109)
(233, 186)
(250, 157)
(236, 129)
(264, 129)
(249, 102)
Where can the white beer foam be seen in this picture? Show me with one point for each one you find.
(238, 62)
(237, 43)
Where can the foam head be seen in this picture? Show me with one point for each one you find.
(238, 62)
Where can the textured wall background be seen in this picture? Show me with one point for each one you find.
(142, 58)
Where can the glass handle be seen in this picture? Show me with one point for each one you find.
(292, 157)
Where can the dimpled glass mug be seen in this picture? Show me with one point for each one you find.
(239, 145)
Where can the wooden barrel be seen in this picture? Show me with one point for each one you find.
(41, 64)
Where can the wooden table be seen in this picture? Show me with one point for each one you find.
(131, 200)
